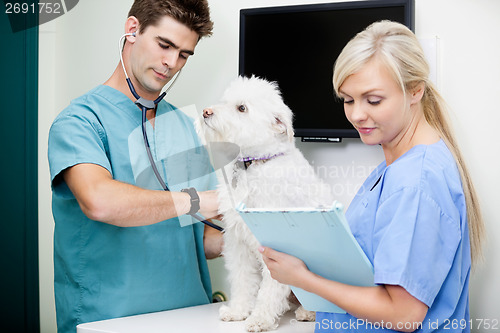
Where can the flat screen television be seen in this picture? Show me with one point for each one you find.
(297, 46)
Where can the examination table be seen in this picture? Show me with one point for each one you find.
(197, 319)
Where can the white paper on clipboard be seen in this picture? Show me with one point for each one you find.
(319, 237)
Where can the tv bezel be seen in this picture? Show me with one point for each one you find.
(324, 134)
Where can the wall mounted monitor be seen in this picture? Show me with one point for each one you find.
(297, 46)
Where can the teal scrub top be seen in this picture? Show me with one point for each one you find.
(103, 271)
(410, 219)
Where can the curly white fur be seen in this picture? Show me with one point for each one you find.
(253, 116)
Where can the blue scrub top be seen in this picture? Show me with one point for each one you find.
(103, 271)
(410, 219)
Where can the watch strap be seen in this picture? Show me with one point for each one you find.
(195, 199)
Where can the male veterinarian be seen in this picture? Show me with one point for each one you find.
(119, 247)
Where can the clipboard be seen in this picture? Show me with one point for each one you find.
(319, 237)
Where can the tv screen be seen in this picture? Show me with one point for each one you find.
(297, 46)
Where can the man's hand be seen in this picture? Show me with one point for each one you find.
(209, 204)
(212, 242)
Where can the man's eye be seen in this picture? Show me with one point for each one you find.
(164, 46)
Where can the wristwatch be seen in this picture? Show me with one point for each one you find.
(195, 199)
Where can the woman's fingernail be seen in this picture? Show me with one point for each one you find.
(261, 249)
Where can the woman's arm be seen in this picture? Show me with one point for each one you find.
(107, 200)
(381, 304)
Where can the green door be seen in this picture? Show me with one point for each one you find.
(19, 300)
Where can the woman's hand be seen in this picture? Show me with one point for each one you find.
(285, 268)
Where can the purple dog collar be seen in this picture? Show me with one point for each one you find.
(263, 158)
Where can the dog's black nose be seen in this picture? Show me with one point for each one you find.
(207, 112)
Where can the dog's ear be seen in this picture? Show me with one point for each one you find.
(283, 125)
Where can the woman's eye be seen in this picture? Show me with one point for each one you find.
(374, 102)
(242, 108)
(348, 101)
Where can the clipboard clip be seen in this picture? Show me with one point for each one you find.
(289, 221)
(339, 209)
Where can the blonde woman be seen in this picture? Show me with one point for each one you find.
(416, 216)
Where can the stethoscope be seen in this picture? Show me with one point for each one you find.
(145, 105)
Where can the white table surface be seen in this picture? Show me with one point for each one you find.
(197, 319)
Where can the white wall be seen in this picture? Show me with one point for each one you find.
(47, 112)
(79, 51)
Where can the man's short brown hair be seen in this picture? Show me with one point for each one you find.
(195, 14)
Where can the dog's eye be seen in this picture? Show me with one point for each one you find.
(242, 108)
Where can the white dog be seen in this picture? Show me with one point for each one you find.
(272, 173)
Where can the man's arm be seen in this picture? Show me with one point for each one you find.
(104, 199)
(212, 242)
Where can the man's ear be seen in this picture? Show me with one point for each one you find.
(131, 26)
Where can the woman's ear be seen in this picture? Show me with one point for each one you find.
(417, 93)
